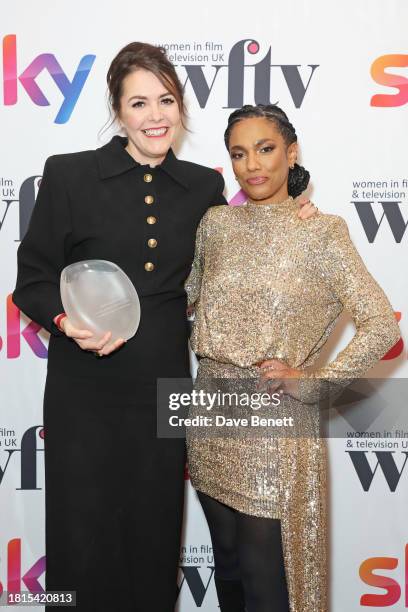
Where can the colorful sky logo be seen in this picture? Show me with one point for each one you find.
(30, 333)
(379, 74)
(369, 575)
(70, 90)
(15, 577)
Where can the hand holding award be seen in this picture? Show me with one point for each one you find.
(98, 296)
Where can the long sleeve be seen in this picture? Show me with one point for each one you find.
(193, 282)
(349, 281)
(41, 254)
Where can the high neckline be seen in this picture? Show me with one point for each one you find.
(285, 206)
(113, 159)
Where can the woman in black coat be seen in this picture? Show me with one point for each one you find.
(114, 491)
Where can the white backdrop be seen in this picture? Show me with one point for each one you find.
(325, 61)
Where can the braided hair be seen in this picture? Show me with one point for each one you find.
(298, 178)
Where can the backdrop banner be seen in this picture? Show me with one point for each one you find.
(341, 74)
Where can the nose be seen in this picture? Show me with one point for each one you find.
(156, 113)
(252, 161)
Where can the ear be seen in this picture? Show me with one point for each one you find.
(292, 154)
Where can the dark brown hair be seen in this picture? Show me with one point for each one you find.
(138, 55)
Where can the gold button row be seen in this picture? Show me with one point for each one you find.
(152, 242)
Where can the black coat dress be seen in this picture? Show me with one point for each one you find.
(114, 491)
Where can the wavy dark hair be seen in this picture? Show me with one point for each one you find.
(139, 55)
(298, 177)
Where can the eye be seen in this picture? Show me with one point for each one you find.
(267, 149)
(236, 155)
(168, 101)
(138, 104)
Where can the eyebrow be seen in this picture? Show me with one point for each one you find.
(262, 141)
(168, 93)
(256, 144)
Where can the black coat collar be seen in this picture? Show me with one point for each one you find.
(113, 159)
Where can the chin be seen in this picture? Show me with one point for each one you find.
(160, 148)
(258, 194)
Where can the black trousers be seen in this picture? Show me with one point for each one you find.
(114, 497)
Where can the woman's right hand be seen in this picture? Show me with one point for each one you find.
(86, 341)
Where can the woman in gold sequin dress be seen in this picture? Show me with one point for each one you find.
(268, 289)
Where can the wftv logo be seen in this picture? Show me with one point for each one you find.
(391, 212)
(395, 81)
(27, 453)
(198, 588)
(391, 586)
(386, 462)
(237, 68)
(70, 90)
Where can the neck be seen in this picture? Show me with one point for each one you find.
(276, 199)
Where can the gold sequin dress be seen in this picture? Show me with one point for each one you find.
(266, 285)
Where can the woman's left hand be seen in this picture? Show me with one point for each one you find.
(307, 208)
(286, 378)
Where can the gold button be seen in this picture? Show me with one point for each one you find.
(149, 199)
(152, 243)
(151, 220)
(149, 267)
(147, 178)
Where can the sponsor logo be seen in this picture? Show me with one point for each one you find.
(267, 76)
(70, 89)
(15, 575)
(31, 446)
(18, 330)
(198, 586)
(395, 81)
(385, 460)
(391, 215)
(369, 575)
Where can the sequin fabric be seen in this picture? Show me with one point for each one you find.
(266, 284)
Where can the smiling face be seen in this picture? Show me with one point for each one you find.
(261, 159)
(150, 115)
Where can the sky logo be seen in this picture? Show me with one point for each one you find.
(70, 90)
(394, 590)
(15, 577)
(380, 74)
